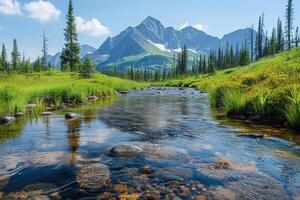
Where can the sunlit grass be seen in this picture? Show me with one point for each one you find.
(16, 91)
(292, 112)
(266, 84)
(234, 101)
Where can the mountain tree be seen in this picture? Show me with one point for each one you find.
(70, 57)
(15, 56)
(4, 59)
(244, 57)
(266, 45)
(184, 60)
(297, 37)
(272, 45)
(45, 51)
(252, 42)
(279, 37)
(260, 37)
(88, 68)
(289, 23)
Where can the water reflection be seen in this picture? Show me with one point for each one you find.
(73, 138)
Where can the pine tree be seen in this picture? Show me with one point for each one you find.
(183, 62)
(266, 45)
(260, 37)
(244, 57)
(70, 58)
(211, 63)
(297, 37)
(252, 42)
(15, 56)
(272, 45)
(88, 68)
(279, 37)
(45, 51)
(4, 59)
(289, 23)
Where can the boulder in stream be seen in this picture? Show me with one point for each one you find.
(71, 115)
(7, 120)
(93, 98)
(46, 113)
(19, 114)
(125, 150)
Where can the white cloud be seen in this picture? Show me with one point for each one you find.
(92, 28)
(10, 7)
(200, 27)
(42, 11)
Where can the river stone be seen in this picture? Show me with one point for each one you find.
(93, 98)
(251, 135)
(125, 150)
(46, 113)
(62, 107)
(93, 177)
(71, 115)
(7, 120)
(19, 114)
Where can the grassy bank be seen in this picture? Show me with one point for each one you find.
(268, 89)
(17, 91)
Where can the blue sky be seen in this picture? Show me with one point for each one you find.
(25, 20)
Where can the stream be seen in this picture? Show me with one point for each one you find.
(156, 143)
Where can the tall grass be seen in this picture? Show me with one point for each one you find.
(16, 91)
(292, 111)
(234, 101)
(266, 84)
(260, 104)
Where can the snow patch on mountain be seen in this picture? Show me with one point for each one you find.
(160, 46)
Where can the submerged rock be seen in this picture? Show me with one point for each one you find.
(93, 177)
(123, 92)
(46, 113)
(93, 98)
(7, 120)
(251, 135)
(224, 164)
(125, 150)
(61, 107)
(19, 114)
(71, 115)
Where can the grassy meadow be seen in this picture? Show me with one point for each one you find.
(268, 89)
(17, 91)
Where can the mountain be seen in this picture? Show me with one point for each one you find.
(84, 50)
(151, 44)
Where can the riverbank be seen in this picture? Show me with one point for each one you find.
(41, 91)
(265, 91)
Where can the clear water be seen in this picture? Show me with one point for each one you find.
(182, 142)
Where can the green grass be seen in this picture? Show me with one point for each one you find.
(16, 91)
(266, 85)
(292, 111)
(234, 101)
